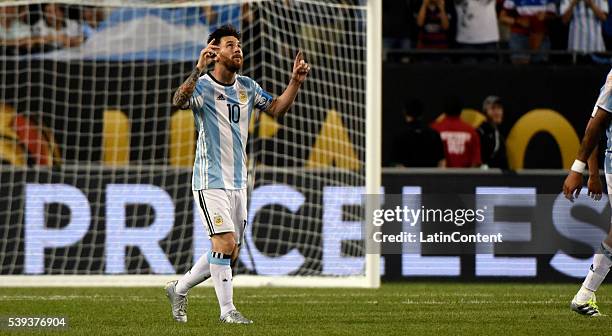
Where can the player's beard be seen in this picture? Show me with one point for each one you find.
(231, 64)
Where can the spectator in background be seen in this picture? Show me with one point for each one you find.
(492, 142)
(418, 145)
(528, 21)
(461, 142)
(504, 29)
(433, 22)
(92, 17)
(585, 18)
(477, 27)
(58, 29)
(15, 35)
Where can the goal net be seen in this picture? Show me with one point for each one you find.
(96, 164)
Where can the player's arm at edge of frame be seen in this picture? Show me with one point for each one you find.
(594, 186)
(281, 104)
(597, 124)
(592, 134)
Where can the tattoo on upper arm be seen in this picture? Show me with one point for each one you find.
(184, 92)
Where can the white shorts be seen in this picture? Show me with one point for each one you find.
(223, 211)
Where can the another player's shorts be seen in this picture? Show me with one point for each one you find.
(223, 211)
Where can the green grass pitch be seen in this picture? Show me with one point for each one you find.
(394, 309)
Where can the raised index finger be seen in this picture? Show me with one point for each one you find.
(212, 48)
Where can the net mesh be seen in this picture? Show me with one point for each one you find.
(96, 163)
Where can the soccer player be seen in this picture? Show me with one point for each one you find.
(584, 302)
(222, 102)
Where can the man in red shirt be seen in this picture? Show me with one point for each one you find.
(461, 141)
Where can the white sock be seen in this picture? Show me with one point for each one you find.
(583, 295)
(221, 274)
(198, 273)
(597, 273)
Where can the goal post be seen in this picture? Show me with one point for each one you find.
(96, 164)
(373, 160)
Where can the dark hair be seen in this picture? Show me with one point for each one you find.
(453, 106)
(414, 108)
(225, 30)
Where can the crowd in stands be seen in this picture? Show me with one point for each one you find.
(478, 28)
(449, 141)
(528, 29)
(29, 29)
(32, 29)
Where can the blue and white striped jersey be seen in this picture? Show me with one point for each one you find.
(222, 113)
(604, 101)
(585, 28)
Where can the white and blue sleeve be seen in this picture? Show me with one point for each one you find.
(197, 98)
(604, 100)
(263, 99)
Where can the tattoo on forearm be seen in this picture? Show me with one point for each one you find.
(184, 92)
